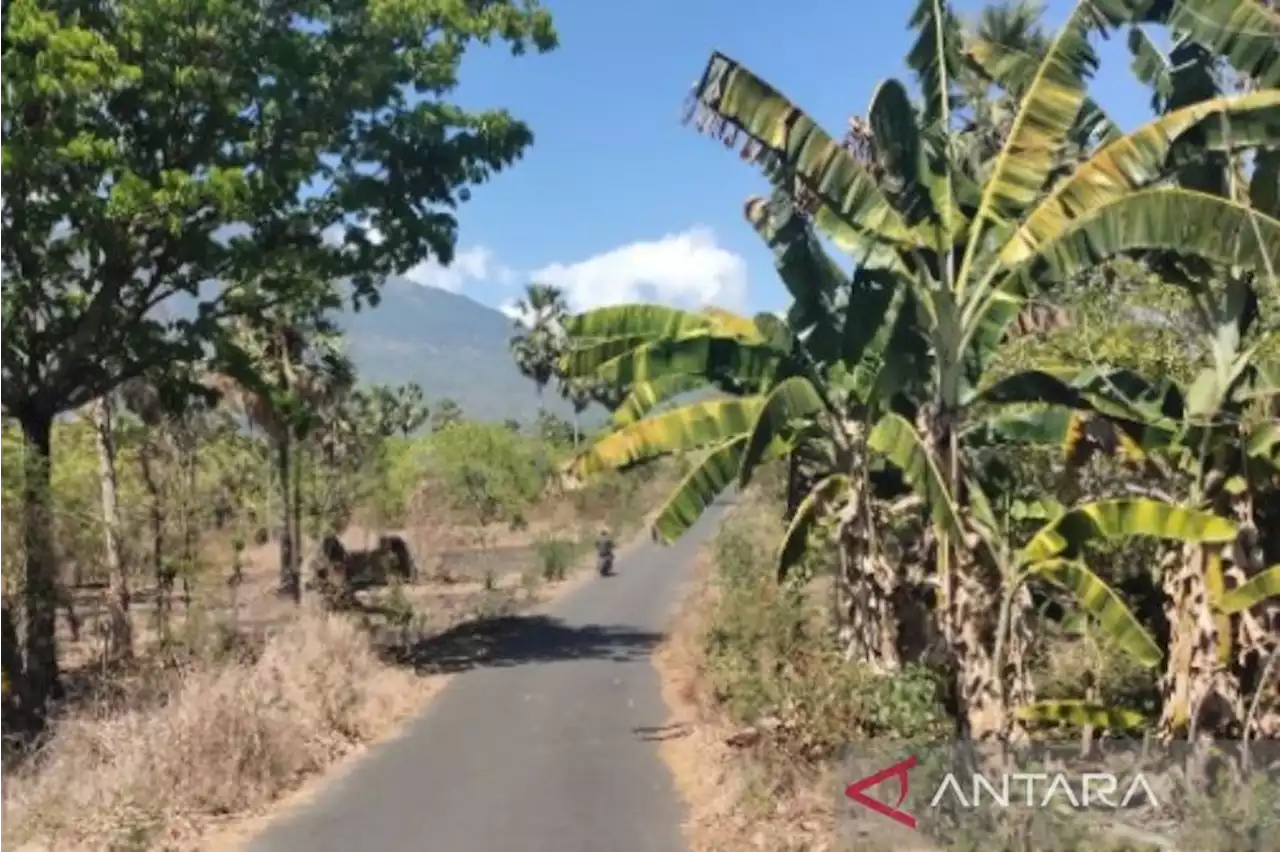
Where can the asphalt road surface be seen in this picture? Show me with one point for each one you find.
(545, 743)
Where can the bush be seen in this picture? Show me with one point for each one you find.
(486, 470)
(771, 657)
(554, 556)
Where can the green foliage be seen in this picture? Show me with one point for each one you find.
(485, 470)
(555, 555)
(772, 662)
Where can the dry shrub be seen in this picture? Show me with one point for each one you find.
(229, 738)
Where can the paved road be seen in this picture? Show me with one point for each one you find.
(547, 744)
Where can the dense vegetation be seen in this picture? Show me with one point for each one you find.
(1044, 403)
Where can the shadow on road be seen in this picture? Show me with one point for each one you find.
(518, 639)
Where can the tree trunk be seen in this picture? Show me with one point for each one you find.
(190, 519)
(41, 681)
(290, 584)
(299, 534)
(155, 511)
(14, 717)
(120, 625)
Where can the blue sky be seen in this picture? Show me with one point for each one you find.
(616, 200)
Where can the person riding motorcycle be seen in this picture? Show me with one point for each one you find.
(604, 550)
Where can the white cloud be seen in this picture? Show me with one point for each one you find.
(687, 269)
(476, 263)
(510, 308)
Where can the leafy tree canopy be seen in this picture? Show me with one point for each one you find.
(153, 148)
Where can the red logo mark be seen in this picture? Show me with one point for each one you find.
(898, 770)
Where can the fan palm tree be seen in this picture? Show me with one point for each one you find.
(537, 343)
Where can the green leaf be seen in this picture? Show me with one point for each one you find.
(896, 439)
(1098, 599)
(688, 427)
(1258, 588)
(1245, 32)
(796, 538)
(1132, 162)
(752, 364)
(1045, 117)
(1012, 69)
(1083, 714)
(646, 396)
(652, 321)
(584, 360)
(1264, 188)
(792, 399)
(1169, 218)
(1125, 518)
(699, 490)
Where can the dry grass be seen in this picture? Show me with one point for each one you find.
(226, 736)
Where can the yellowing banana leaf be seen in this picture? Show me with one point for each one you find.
(703, 355)
(1171, 218)
(896, 439)
(1082, 714)
(1135, 161)
(730, 100)
(1100, 601)
(698, 490)
(796, 538)
(689, 427)
(1125, 518)
(1257, 589)
(584, 360)
(1245, 32)
(792, 398)
(653, 321)
(1011, 69)
(731, 323)
(644, 397)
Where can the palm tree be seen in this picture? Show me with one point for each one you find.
(537, 342)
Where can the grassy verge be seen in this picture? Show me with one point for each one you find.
(761, 698)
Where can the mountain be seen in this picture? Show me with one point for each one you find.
(452, 346)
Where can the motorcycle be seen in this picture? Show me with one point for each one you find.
(604, 561)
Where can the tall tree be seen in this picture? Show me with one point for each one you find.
(537, 344)
(145, 157)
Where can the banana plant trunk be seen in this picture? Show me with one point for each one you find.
(1199, 693)
(971, 586)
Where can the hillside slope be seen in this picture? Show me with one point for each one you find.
(451, 345)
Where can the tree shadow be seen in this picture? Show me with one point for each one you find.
(514, 640)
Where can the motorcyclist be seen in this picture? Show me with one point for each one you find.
(604, 549)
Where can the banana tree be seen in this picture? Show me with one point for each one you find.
(971, 249)
(657, 354)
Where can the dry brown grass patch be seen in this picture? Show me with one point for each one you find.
(229, 737)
